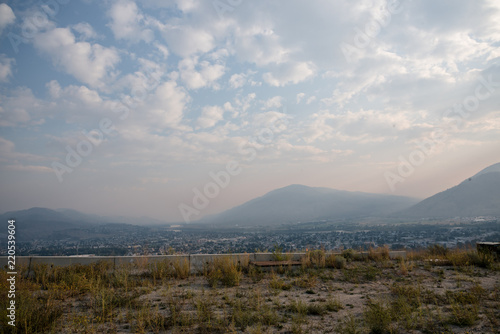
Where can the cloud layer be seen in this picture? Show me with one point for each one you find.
(321, 93)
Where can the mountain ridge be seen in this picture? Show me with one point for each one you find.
(478, 195)
(298, 203)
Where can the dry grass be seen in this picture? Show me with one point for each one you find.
(224, 270)
(459, 294)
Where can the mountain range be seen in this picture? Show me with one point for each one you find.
(478, 195)
(43, 223)
(299, 203)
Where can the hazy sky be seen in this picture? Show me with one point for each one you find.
(131, 107)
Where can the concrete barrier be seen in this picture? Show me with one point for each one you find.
(196, 261)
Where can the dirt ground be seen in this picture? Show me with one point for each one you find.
(364, 297)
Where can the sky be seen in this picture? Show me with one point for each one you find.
(177, 109)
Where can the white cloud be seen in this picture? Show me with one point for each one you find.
(21, 108)
(259, 45)
(166, 107)
(289, 73)
(6, 16)
(80, 95)
(8, 154)
(210, 115)
(311, 99)
(186, 40)
(6, 67)
(29, 168)
(6, 146)
(85, 30)
(200, 74)
(163, 50)
(299, 97)
(127, 22)
(427, 59)
(273, 103)
(237, 80)
(87, 62)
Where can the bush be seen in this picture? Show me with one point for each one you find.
(33, 314)
(378, 318)
(278, 284)
(315, 258)
(480, 259)
(278, 254)
(297, 306)
(243, 318)
(378, 254)
(224, 270)
(333, 305)
(340, 262)
(437, 250)
(306, 281)
(316, 309)
(351, 255)
(350, 325)
(181, 268)
(463, 315)
(161, 269)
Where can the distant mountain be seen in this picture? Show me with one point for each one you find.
(478, 195)
(298, 203)
(43, 223)
(492, 169)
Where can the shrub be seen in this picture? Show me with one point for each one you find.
(181, 268)
(306, 281)
(340, 262)
(316, 309)
(298, 306)
(333, 305)
(104, 300)
(359, 274)
(33, 314)
(405, 266)
(315, 258)
(409, 293)
(378, 254)
(437, 250)
(278, 254)
(480, 259)
(463, 315)
(458, 258)
(223, 270)
(243, 318)
(160, 270)
(349, 325)
(255, 313)
(377, 317)
(330, 260)
(278, 284)
(149, 319)
(351, 255)
(404, 312)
